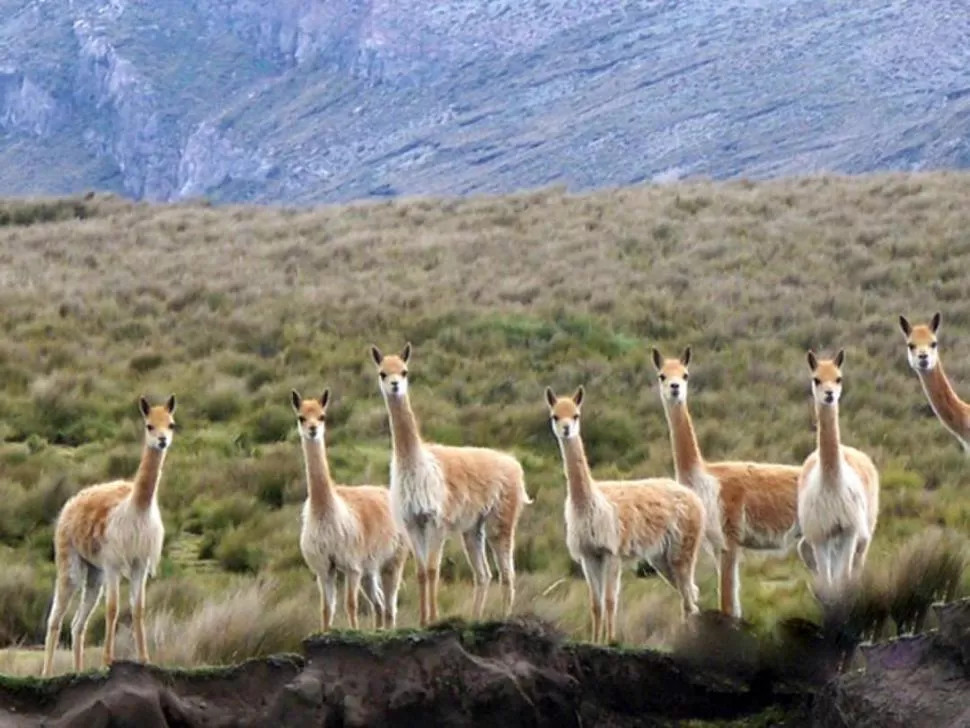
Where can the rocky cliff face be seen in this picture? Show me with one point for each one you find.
(304, 101)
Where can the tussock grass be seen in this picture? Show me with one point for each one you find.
(231, 307)
(247, 621)
(898, 592)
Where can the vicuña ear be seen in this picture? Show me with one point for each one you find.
(935, 323)
(578, 397)
(550, 397)
(144, 406)
(325, 398)
(376, 355)
(839, 358)
(685, 359)
(905, 326)
(658, 360)
(812, 360)
(406, 354)
(170, 404)
(295, 399)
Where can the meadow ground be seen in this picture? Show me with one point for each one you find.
(231, 307)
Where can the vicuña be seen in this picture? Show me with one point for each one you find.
(346, 530)
(438, 490)
(610, 522)
(106, 532)
(924, 357)
(838, 489)
(749, 505)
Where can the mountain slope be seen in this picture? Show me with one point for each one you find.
(303, 102)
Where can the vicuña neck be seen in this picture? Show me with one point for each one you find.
(683, 440)
(829, 441)
(579, 479)
(146, 479)
(405, 434)
(945, 402)
(319, 484)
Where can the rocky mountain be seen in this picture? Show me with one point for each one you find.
(329, 100)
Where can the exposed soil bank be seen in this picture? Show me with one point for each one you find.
(521, 673)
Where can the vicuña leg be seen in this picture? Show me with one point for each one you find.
(421, 574)
(91, 590)
(685, 584)
(807, 555)
(730, 586)
(593, 568)
(823, 559)
(136, 595)
(112, 587)
(474, 543)
(375, 595)
(614, 572)
(351, 590)
(419, 533)
(64, 589)
(505, 556)
(391, 582)
(436, 547)
(843, 552)
(327, 584)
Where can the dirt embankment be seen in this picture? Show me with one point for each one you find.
(521, 673)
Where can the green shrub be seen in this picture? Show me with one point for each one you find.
(237, 553)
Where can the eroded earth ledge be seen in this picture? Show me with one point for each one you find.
(523, 673)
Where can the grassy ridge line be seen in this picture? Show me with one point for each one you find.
(230, 307)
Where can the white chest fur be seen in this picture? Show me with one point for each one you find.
(133, 539)
(417, 489)
(325, 540)
(826, 508)
(592, 529)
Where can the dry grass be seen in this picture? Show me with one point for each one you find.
(929, 567)
(232, 307)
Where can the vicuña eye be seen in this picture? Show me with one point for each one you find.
(817, 381)
(301, 419)
(685, 376)
(662, 377)
(404, 373)
(150, 428)
(838, 380)
(933, 345)
(383, 375)
(555, 418)
(912, 347)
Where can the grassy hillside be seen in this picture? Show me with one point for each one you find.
(231, 307)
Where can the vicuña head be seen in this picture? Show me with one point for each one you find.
(311, 414)
(921, 343)
(826, 377)
(672, 375)
(564, 413)
(159, 423)
(393, 370)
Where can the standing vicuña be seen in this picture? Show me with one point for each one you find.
(838, 489)
(106, 532)
(437, 490)
(607, 523)
(924, 358)
(346, 529)
(749, 505)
